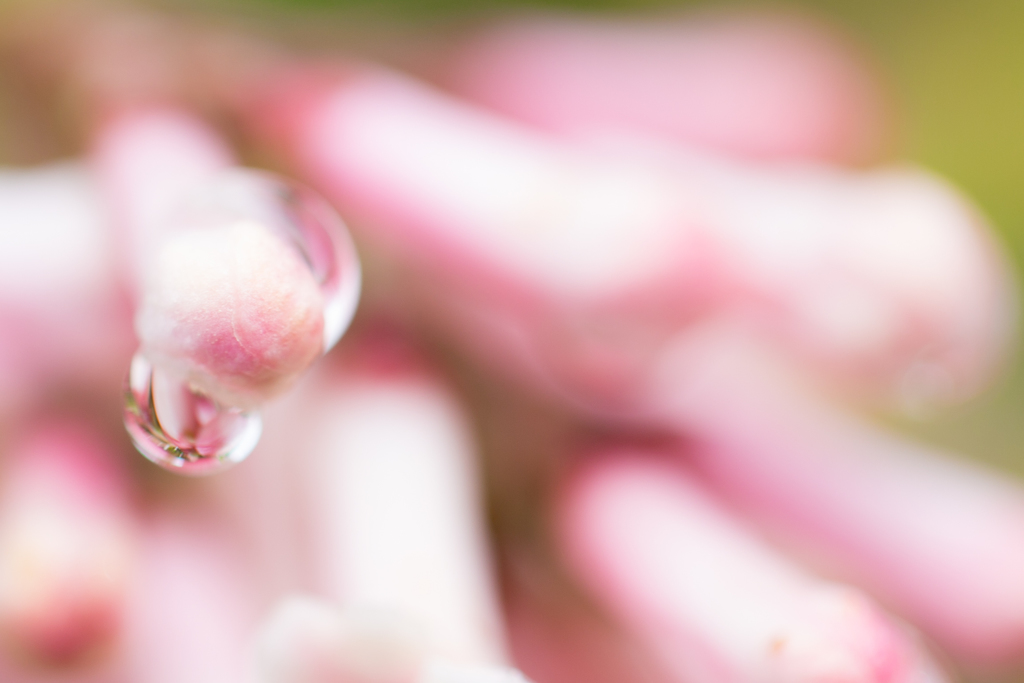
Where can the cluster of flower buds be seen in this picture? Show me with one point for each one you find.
(628, 286)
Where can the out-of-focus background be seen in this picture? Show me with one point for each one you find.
(954, 71)
(953, 76)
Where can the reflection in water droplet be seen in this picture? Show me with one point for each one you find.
(183, 429)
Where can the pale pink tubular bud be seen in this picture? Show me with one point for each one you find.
(710, 600)
(556, 636)
(395, 539)
(234, 310)
(66, 547)
(310, 640)
(192, 607)
(939, 540)
(146, 162)
(55, 276)
(398, 526)
(572, 265)
(226, 303)
(761, 86)
(512, 236)
(887, 280)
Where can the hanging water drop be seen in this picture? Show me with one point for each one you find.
(253, 279)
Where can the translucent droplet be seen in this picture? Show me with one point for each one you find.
(181, 429)
(174, 423)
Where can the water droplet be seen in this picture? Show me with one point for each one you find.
(182, 430)
(171, 421)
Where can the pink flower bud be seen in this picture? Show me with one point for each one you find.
(193, 608)
(147, 161)
(556, 636)
(309, 640)
(571, 266)
(397, 529)
(764, 86)
(710, 601)
(55, 276)
(242, 281)
(234, 310)
(394, 534)
(938, 539)
(232, 307)
(66, 547)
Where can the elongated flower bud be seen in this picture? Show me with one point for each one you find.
(938, 539)
(396, 539)
(711, 601)
(752, 85)
(570, 266)
(56, 275)
(66, 547)
(242, 281)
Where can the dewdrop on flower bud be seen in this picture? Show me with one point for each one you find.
(254, 279)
